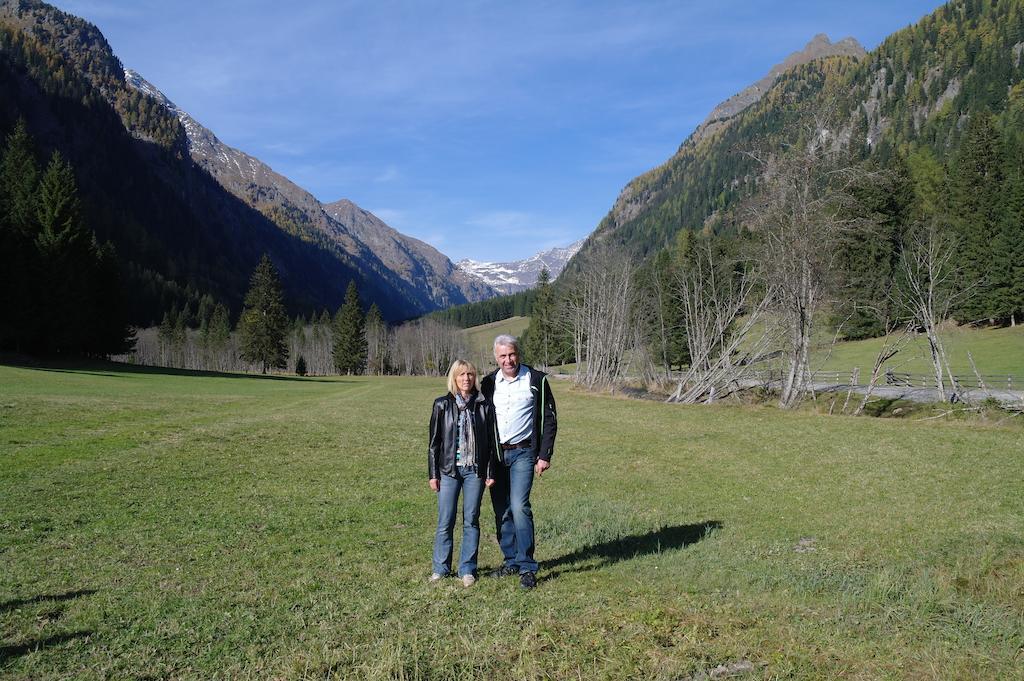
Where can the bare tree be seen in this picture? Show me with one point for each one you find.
(897, 336)
(425, 346)
(600, 312)
(404, 349)
(378, 344)
(802, 210)
(929, 286)
(724, 305)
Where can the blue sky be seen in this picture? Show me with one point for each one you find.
(491, 130)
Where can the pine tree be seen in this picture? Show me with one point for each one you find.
(1011, 238)
(540, 336)
(19, 178)
(217, 337)
(68, 263)
(868, 255)
(263, 325)
(349, 334)
(976, 212)
(109, 331)
(300, 366)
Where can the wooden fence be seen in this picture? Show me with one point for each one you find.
(907, 380)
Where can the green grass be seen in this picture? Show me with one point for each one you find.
(155, 524)
(995, 352)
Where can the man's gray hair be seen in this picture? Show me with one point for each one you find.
(506, 339)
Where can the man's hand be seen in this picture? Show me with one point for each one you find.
(435, 484)
(489, 482)
(541, 466)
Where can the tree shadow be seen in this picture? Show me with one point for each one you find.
(8, 653)
(109, 369)
(625, 548)
(67, 596)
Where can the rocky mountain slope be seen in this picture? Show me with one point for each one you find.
(424, 272)
(918, 89)
(427, 269)
(519, 275)
(637, 195)
(819, 46)
(189, 214)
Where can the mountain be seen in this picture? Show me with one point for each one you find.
(423, 266)
(689, 166)
(915, 91)
(421, 271)
(519, 275)
(819, 46)
(190, 216)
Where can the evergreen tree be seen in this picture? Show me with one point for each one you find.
(1010, 242)
(68, 264)
(109, 332)
(676, 351)
(869, 252)
(19, 178)
(539, 341)
(976, 212)
(263, 325)
(349, 334)
(300, 366)
(217, 337)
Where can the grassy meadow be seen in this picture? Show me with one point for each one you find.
(163, 525)
(996, 352)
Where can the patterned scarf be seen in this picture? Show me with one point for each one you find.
(467, 436)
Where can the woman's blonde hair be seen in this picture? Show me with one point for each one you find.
(461, 366)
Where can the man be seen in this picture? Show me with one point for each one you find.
(525, 413)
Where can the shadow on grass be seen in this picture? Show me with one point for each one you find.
(8, 653)
(67, 596)
(625, 548)
(107, 369)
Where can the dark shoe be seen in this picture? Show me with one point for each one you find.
(528, 580)
(503, 571)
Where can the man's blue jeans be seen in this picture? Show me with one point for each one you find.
(513, 515)
(472, 487)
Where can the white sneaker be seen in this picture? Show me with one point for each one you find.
(435, 578)
(468, 580)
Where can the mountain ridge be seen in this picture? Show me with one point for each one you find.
(421, 269)
(519, 275)
(633, 199)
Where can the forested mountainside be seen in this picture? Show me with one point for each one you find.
(431, 273)
(419, 271)
(180, 233)
(914, 94)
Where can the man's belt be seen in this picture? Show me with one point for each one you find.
(524, 444)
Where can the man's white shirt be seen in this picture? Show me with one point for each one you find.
(513, 406)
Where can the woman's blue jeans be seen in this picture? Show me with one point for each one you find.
(472, 487)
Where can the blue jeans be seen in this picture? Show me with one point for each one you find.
(513, 516)
(472, 487)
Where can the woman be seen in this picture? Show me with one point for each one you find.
(462, 456)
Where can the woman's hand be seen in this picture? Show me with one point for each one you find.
(489, 482)
(435, 484)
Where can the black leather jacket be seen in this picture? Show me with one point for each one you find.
(444, 432)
